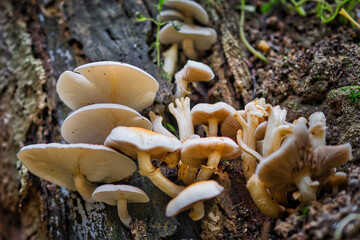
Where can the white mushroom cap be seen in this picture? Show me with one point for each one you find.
(107, 82)
(61, 163)
(196, 151)
(196, 192)
(120, 195)
(93, 123)
(171, 15)
(131, 140)
(190, 9)
(110, 193)
(203, 37)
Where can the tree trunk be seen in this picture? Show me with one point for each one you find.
(41, 39)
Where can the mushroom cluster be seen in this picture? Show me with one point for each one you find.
(282, 159)
(103, 95)
(105, 132)
(185, 29)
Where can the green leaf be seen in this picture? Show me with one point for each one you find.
(140, 17)
(171, 128)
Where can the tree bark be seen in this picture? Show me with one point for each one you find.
(41, 39)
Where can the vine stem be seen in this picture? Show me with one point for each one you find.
(242, 35)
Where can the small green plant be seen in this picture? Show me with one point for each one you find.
(171, 128)
(354, 95)
(158, 23)
(304, 211)
(242, 34)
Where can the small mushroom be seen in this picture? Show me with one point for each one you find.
(182, 115)
(143, 144)
(120, 196)
(212, 114)
(76, 166)
(107, 82)
(93, 123)
(193, 197)
(192, 72)
(190, 37)
(190, 10)
(317, 128)
(209, 151)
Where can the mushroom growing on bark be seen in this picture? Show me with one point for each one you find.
(207, 153)
(300, 164)
(189, 36)
(192, 72)
(193, 197)
(93, 123)
(211, 114)
(76, 166)
(183, 118)
(107, 82)
(120, 196)
(143, 144)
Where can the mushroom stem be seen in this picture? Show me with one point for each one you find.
(157, 126)
(245, 148)
(147, 169)
(306, 186)
(145, 165)
(183, 171)
(84, 187)
(211, 166)
(191, 175)
(189, 48)
(183, 117)
(164, 184)
(123, 212)
(213, 127)
(170, 59)
(197, 211)
(261, 197)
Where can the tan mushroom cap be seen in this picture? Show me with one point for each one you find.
(195, 152)
(93, 123)
(190, 9)
(110, 193)
(58, 163)
(107, 82)
(203, 37)
(196, 192)
(202, 112)
(230, 126)
(278, 170)
(131, 140)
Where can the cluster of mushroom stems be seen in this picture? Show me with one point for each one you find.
(106, 131)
